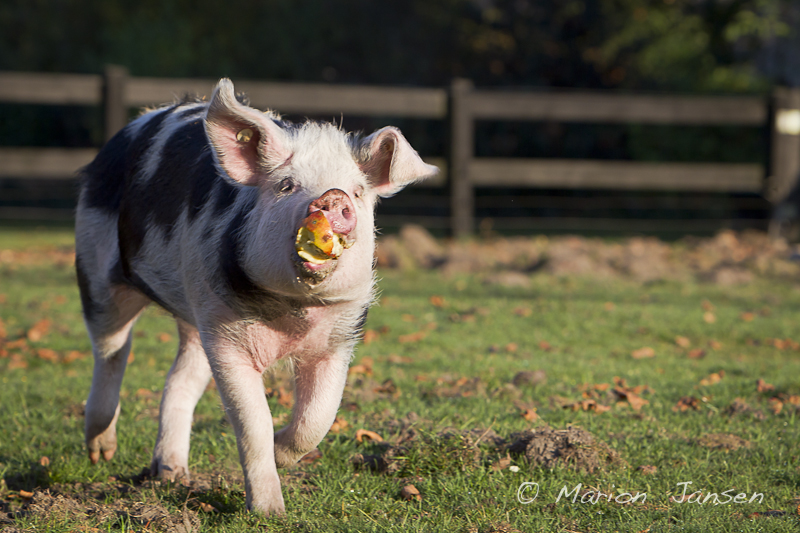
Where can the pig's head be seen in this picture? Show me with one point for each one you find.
(311, 232)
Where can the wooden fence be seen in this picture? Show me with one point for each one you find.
(461, 105)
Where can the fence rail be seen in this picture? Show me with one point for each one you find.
(461, 106)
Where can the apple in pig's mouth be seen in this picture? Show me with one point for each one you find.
(318, 247)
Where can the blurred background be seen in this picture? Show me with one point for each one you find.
(612, 117)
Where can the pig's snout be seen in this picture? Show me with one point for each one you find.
(338, 209)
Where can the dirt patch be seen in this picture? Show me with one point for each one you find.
(729, 258)
(572, 447)
(723, 441)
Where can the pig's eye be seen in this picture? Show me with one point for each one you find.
(358, 192)
(286, 186)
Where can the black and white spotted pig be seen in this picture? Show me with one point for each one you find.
(196, 206)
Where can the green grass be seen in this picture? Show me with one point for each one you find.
(468, 336)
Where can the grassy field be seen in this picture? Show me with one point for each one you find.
(664, 376)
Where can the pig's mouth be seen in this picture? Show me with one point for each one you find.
(319, 247)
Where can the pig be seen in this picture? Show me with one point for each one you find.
(197, 206)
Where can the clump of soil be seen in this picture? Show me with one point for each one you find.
(572, 447)
(723, 441)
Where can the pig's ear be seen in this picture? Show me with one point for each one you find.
(247, 143)
(390, 162)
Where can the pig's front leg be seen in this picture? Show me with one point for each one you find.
(242, 391)
(319, 383)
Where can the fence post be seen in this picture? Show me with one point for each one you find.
(462, 134)
(784, 165)
(114, 106)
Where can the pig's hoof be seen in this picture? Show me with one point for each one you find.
(166, 472)
(104, 444)
(268, 508)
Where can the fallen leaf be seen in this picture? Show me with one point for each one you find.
(767, 514)
(544, 345)
(714, 345)
(44, 461)
(709, 317)
(356, 370)
(412, 337)
(501, 464)
(207, 507)
(340, 424)
(410, 492)
(39, 330)
(75, 355)
(747, 316)
(763, 386)
(25, 494)
(371, 336)
(775, 405)
(697, 353)
(683, 342)
(523, 311)
(648, 470)
(398, 360)
(609, 306)
(712, 379)
(643, 353)
(362, 434)
(707, 306)
(512, 347)
(437, 301)
(686, 403)
(530, 415)
(47, 354)
(285, 398)
(164, 337)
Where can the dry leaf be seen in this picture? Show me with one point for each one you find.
(437, 301)
(686, 403)
(25, 494)
(707, 306)
(356, 370)
(512, 347)
(775, 405)
(44, 461)
(398, 360)
(609, 306)
(697, 353)
(340, 424)
(709, 317)
(38, 330)
(747, 316)
(47, 354)
(501, 464)
(713, 379)
(75, 355)
(371, 336)
(648, 470)
(285, 398)
(523, 311)
(530, 415)
(544, 345)
(643, 353)
(763, 386)
(207, 507)
(412, 337)
(714, 345)
(362, 434)
(164, 337)
(410, 492)
(683, 342)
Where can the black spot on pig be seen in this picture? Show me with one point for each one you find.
(90, 307)
(105, 178)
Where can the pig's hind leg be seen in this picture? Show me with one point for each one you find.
(319, 383)
(109, 312)
(186, 381)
